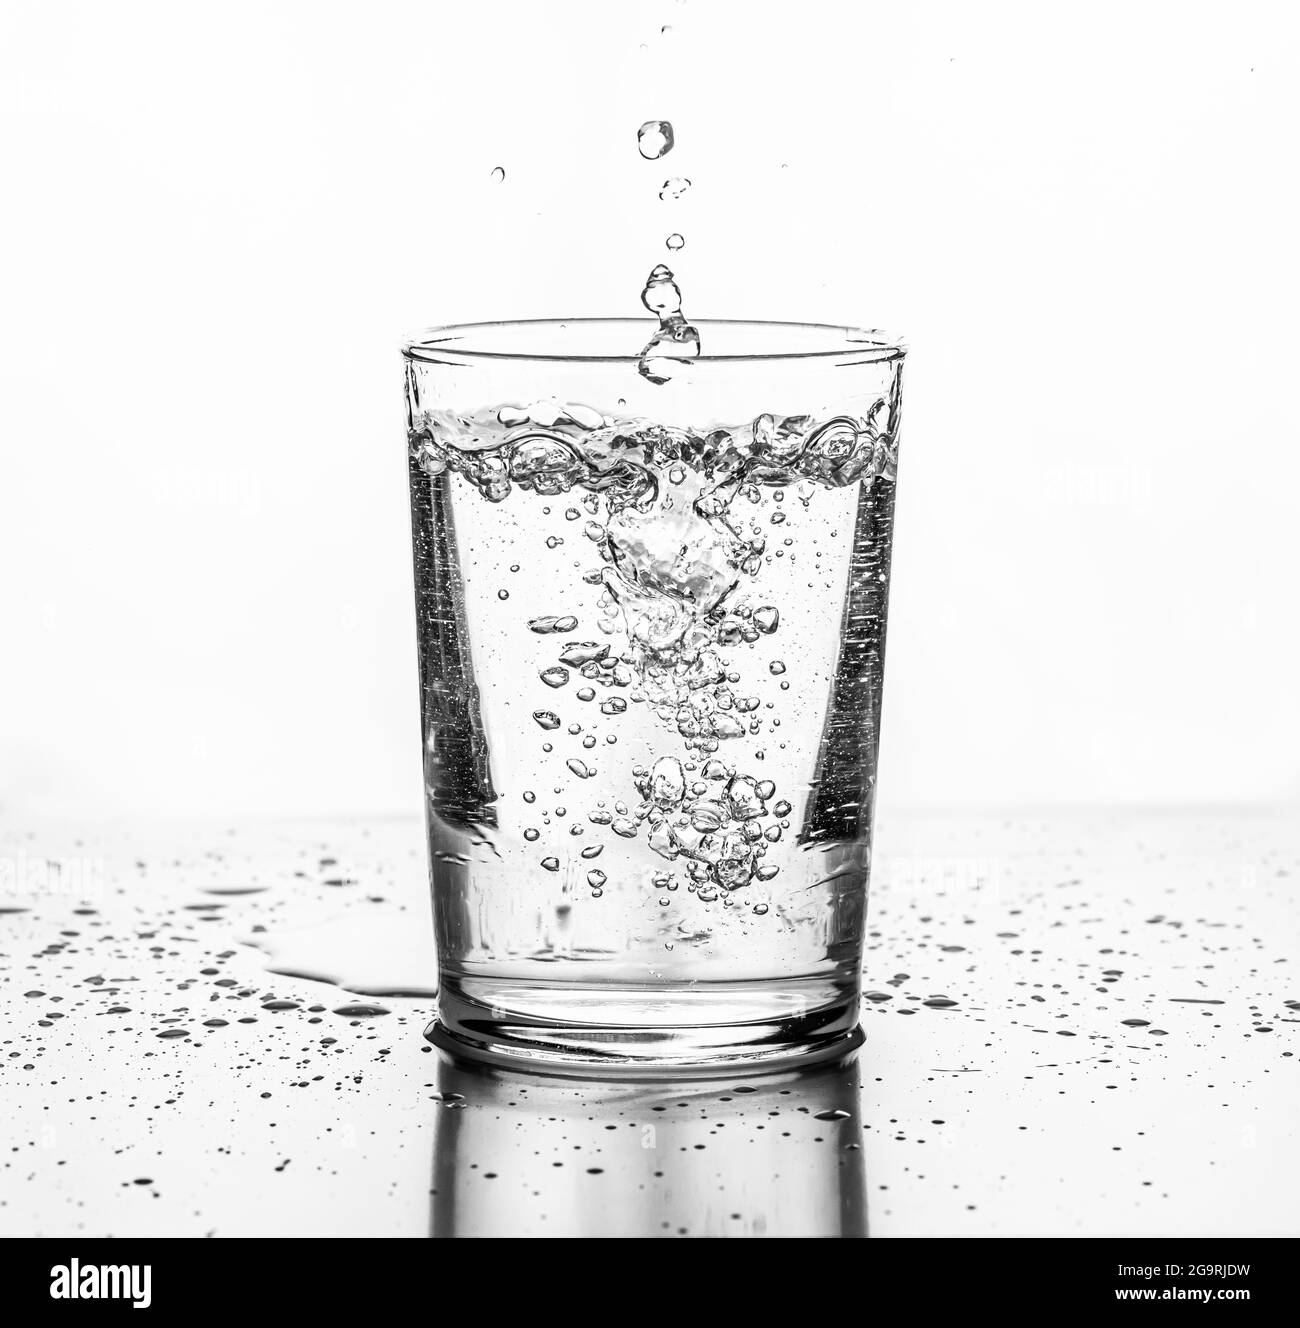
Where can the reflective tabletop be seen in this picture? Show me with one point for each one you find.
(1076, 1024)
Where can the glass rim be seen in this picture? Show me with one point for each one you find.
(433, 345)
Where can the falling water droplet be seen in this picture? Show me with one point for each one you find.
(654, 139)
(674, 188)
(674, 242)
(498, 173)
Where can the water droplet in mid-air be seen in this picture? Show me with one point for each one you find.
(674, 242)
(554, 676)
(498, 173)
(548, 719)
(654, 139)
(674, 188)
(579, 768)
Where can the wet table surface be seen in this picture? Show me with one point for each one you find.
(218, 1031)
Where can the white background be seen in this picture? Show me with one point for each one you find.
(217, 221)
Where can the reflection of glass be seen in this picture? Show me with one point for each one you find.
(651, 623)
(526, 1155)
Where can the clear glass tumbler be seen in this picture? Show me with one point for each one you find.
(651, 624)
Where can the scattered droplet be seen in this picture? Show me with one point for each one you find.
(654, 139)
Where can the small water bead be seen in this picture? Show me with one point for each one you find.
(572, 514)
(624, 827)
(782, 808)
(594, 531)
(554, 542)
(574, 729)
(674, 242)
(503, 594)
(674, 187)
(579, 768)
(760, 909)
(548, 719)
(593, 850)
(589, 742)
(551, 864)
(554, 676)
(514, 567)
(532, 834)
(654, 139)
(561, 811)
(586, 694)
(614, 706)
(596, 878)
(677, 474)
(600, 818)
(765, 789)
(776, 666)
(766, 872)
(498, 174)
(530, 796)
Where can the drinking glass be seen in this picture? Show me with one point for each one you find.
(651, 603)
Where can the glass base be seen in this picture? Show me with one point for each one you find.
(704, 1030)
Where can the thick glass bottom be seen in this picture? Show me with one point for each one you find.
(647, 1032)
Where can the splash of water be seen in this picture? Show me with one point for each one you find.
(676, 342)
